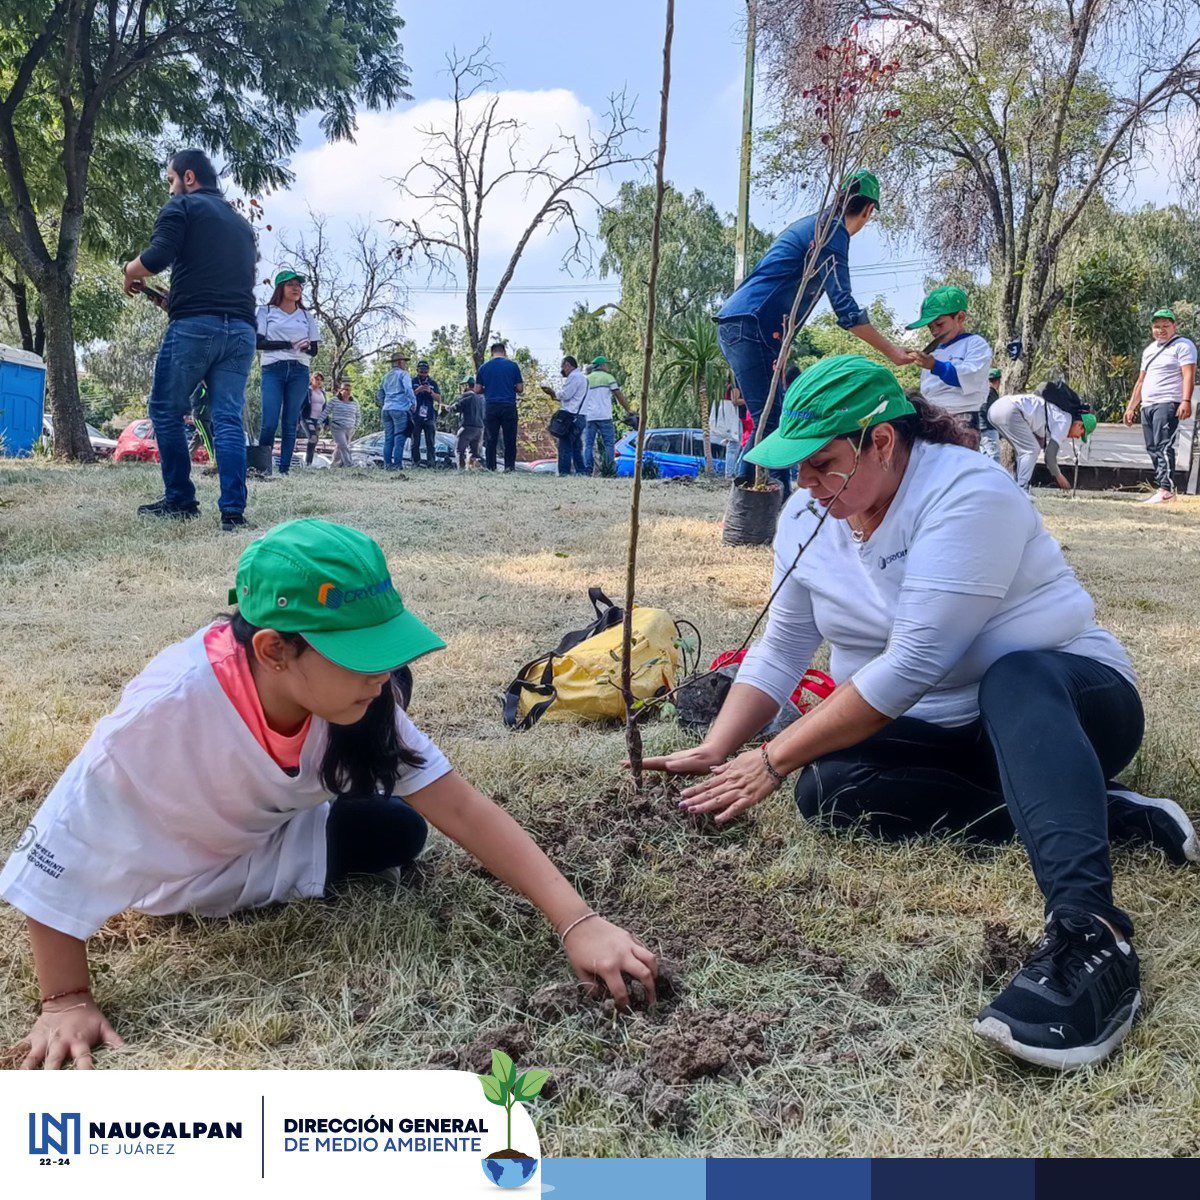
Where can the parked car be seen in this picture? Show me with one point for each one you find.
(368, 451)
(137, 443)
(102, 447)
(673, 451)
(540, 466)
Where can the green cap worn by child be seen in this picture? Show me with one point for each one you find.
(835, 396)
(330, 584)
(941, 302)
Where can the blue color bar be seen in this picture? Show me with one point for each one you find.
(623, 1178)
(810, 1178)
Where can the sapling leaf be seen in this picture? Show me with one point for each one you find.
(668, 710)
(493, 1089)
(530, 1084)
(503, 1068)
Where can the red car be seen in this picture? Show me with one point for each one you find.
(137, 443)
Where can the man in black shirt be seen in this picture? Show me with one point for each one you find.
(469, 407)
(424, 419)
(212, 255)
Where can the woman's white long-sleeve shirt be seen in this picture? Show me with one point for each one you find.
(960, 572)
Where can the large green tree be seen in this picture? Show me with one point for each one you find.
(695, 274)
(1012, 120)
(89, 88)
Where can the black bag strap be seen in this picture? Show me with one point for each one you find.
(608, 614)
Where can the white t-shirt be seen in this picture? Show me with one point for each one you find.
(1048, 421)
(172, 805)
(1164, 371)
(971, 357)
(961, 561)
(275, 325)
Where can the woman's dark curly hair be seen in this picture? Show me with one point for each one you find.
(364, 758)
(929, 424)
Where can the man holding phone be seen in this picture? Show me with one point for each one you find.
(210, 336)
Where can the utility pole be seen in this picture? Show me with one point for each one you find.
(743, 213)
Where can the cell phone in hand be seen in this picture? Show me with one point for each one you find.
(157, 298)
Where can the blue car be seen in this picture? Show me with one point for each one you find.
(674, 452)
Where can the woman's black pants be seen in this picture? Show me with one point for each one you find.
(1053, 728)
(370, 835)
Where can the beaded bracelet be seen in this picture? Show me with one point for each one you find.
(774, 774)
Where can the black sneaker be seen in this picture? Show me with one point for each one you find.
(232, 522)
(1152, 821)
(1073, 1002)
(164, 508)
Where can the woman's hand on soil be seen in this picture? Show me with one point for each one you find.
(604, 953)
(68, 1035)
(697, 761)
(735, 786)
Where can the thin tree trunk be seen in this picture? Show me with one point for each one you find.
(20, 294)
(708, 461)
(633, 735)
(62, 381)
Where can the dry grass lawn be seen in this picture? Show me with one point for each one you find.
(823, 986)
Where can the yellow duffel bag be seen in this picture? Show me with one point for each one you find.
(581, 676)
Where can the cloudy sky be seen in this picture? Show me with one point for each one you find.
(558, 63)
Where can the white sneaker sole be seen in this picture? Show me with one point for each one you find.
(993, 1030)
(1191, 844)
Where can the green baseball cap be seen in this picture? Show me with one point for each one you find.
(1090, 421)
(835, 396)
(331, 584)
(599, 361)
(995, 373)
(941, 302)
(287, 276)
(868, 185)
(1164, 314)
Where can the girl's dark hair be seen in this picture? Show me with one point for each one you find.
(198, 163)
(277, 296)
(929, 424)
(364, 758)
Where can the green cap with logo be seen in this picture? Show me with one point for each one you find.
(1164, 314)
(599, 361)
(941, 302)
(835, 396)
(331, 584)
(1090, 421)
(287, 276)
(868, 184)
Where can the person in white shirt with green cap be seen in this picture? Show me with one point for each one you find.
(955, 368)
(1041, 420)
(1164, 394)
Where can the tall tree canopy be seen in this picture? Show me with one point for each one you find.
(89, 90)
(1013, 119)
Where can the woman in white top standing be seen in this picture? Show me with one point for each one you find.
(287, 337)
(1041, 420)
(976, 693)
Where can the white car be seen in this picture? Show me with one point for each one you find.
(102, 446)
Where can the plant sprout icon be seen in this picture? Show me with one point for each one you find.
(506, 1088)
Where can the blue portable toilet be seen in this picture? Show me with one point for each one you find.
(22, 399)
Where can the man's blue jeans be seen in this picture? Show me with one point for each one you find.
(395, 434)
(751, 357)
(217, 351)
(607, 432)
(570, 448)
(284, 387)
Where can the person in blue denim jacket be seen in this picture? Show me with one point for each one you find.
(751, 323)
(397, 403)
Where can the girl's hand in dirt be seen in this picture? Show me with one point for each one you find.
(735, 786)
(700, 760)
(68, 1035)
(604, 953)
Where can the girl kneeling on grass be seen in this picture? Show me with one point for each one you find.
(976, 693)
(258, 761)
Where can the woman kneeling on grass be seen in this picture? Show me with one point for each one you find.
(257, 761)
(976, 692)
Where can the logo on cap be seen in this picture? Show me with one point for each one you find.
(331, 596)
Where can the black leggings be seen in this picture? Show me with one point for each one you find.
(367, 836)
(1053, 729)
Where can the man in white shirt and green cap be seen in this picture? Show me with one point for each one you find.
(597, 410)
(1164, 394)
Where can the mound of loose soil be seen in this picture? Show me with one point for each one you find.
(706, 1043)
(1004, 950)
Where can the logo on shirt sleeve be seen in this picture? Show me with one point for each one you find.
(26, 839)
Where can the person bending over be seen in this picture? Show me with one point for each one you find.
(976, 693)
